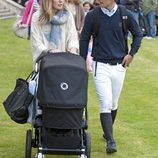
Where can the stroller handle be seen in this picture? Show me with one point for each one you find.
(43, 54)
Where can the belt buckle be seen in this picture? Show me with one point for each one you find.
(112, 64)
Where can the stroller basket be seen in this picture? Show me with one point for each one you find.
(62, 118)
(59, 139)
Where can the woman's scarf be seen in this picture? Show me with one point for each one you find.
(56, 30)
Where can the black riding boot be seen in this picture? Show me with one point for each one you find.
(106, 122)
(113, 115)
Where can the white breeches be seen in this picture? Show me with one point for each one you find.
(108, 83)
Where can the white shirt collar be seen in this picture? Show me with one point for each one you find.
(109, 12)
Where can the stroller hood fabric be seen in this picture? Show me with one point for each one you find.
(63, 80)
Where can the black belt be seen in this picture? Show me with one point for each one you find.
(110, 62)
(113, 63)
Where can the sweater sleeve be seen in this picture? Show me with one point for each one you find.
(82, 17)
(136, 33)
(37, 42)
(72, 37)
(85, 35)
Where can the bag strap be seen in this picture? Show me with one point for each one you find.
(95, 22)
(124, 18)
(30, 13)
(125, 23)
(30, 75)
(95, 26)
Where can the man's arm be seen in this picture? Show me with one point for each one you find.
(137, 35)
(85, 35)
(136, 32)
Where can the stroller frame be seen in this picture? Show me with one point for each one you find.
(35, 136)
(34, 139)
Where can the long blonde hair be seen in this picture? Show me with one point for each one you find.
(47, 11)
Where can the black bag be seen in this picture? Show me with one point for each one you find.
(16, 104)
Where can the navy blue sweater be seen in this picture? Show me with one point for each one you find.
(111, 45)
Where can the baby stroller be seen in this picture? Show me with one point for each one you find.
(60, 116)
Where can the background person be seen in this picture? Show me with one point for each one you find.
(53, 29)
(96, 3)
(111, 57)
(77, 11)
(157, 20)
(133, 6)
(28, 12)
(21, 2)
(149, 12)
(87, 6)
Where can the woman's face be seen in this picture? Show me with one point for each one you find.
(58, 4)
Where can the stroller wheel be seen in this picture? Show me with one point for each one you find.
(28, 144)
(39, 155)
(88, 145)
(82, 156)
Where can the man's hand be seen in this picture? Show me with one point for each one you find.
(127, 60)
(89, 63)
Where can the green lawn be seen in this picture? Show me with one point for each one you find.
(136, 126)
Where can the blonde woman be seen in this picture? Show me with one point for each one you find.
(53, 29)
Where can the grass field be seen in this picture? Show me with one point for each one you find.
(136, 126)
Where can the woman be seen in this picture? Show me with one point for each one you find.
(31, 7)
(78, 13)
(53, 29)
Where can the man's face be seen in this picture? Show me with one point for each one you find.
(86, 7)
(106, 3)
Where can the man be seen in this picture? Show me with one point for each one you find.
(149, 11)
(111, 57)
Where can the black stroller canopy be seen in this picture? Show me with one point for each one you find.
(63, 80)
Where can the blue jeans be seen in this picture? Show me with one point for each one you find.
(29, 31)
(150, 22)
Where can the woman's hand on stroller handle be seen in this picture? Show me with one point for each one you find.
(43, 54)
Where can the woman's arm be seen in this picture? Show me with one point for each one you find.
(37, 39)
